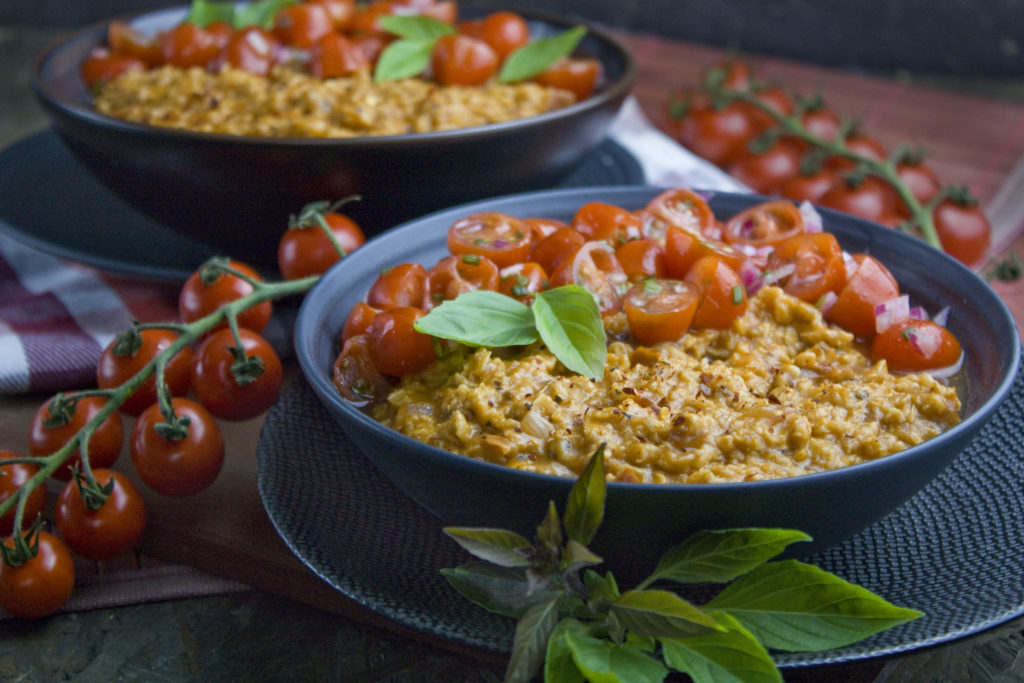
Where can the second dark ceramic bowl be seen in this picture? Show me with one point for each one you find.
(642, 520)
(235, 193)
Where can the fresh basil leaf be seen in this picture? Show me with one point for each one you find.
(602, 587)
(600, 660)
(416, 28)
(259, 13)
(729, 656)
(499, 546)
(549, 532)
(558, 664)
(481, 318)
(569, 324)
(537, 55)
(577, 556)
(661, 613)
(584, 510)
(204, 12)
(721, 556)
(402, 59)
(530, 644)
(502, 590)
(797, 607)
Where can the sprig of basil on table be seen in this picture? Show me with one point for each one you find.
(410, 55)
(574, 628)
(565, 318)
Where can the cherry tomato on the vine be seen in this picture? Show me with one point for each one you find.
(718, 134)
(236, 383)
(129, 352)
(40, 586)
(12, 477)
(65, 421)
(865, 196)
(916, 345)
(305, 249)
(208, 289)
(963, 228)
(107, 531)
(177, 462)
(396, 347)
(660, 310)
(764, 171)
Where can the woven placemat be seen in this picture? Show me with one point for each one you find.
(953, 551)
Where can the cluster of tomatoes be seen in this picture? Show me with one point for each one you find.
(333, 38)
(733, 136)
(670, 267)
(217, 377)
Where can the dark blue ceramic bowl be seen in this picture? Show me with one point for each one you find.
(235, 193)
(646, 518)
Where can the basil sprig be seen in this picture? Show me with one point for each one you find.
(565, 318)
(260, 13)
(575, 628)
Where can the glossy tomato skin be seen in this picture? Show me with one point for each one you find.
(641, 258)
(252, 49)
(869, 285)
(303, 24)
(557, 248)
(103, 67)
(341, 12)
(118, 364)
(497, 236)
(188, 45)
(764, 225)
(112, 529)
(684, 248)
(123, 38)
(220, 392)
(177, 467)
(722, 295)
(458, 59)
(199, 299)
(817, 260)
(603, 221)
(916, 346)
(396, 347)
(455, 275)
(660, 310)
(104, 446)
(12, 477)
(402, 285)
(306, 250)
(504, 31)
(358, 320)
(810, 186)
(355, 376)
(578, 75)
(868, 197)
(765, 171)
(963, 229)
(920, 179)
(335, 55)
(719, 135)
(40, 586)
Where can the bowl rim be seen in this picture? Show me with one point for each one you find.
(318, 377)
(612, 91)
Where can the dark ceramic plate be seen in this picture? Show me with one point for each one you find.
(952, 551)
(53, 203)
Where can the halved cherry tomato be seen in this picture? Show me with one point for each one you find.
(123, 38)
(916, 345)
(458, 59)
(306, 250)
(49, 431)
(684, 248)
(303, 24)
(869, 285)
(102, 67)
(40, 586)
(602, 221)
(174, 466)
(108, 531)
(259, 374)
(502, 238)
(252, 49)
(505, 32)
(595, 268)
(722, 295)
(402, 285)
(557, 248)
(522, 281)
(578, 75)
(764, 171)
(335, 55)
(764, 225)
(660, 310)
(865, 196)
(207, 289)
(542, 227)
(359, 318)
(355, 376)
(365, 22)
(963, 228)
(817, 265)
(642, 259)
(442, 10)
(455, 275)
(396, 347)
(680, 207)
(12, 477)
(189, 44)
(341, 12)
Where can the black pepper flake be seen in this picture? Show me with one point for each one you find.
(557, 399)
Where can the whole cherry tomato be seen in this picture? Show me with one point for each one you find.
(522, 281)
(501, 238)
(396, 347)
(722, 295)
(821, 122)
(335, 55)
(578, 75)
(40, 586)
(719, 134)
(776, 100)
(764, 171)
(305, 249)
(12, 478)
(764, 225)
(177, 460)
(365, 22)
(679, 207)
(233, 383)
(132, 350)
(123, 38)
(809, 185)
(557, 248)
(861, 145)
(59, 420)
(660, 310)
(341, 12)
(358, 320)
(869, 285)
(207, 289)
(816, 264)
(458, 59)
(861, 195)
(603, 221)
(641, 259)
(595, 268)
(252, 49)
(401, 285)
(107, 531)
(189, 44)
(355, 376)
(505, 32)
(963, 228)
(918, 177)
(102, 67)
(303, 24)
(916, 345)
(456, 275)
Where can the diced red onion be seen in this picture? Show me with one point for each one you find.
(925, 343)
(850, 263)
(812, 219)
(514, 269)
(917, 313)
(827, 301)
(750, 276)
(942, 317)
(891, 312)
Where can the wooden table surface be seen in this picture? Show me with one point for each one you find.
(973, 140)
